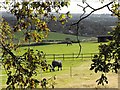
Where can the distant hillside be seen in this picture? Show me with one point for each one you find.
(8, 17)
(60, 36)
(96, 24)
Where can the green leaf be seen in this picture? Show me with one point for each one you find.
(62, 4)
(62, 16)
(68, 14)
(67, 3)
(54, 18)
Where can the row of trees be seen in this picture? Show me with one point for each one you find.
(94, 25)
(21, 69)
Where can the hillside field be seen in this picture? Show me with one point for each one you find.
(56, 36)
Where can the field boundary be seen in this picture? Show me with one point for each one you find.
(72, 56)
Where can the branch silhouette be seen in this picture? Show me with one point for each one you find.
(84, 16)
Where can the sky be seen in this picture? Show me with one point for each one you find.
(73, 8)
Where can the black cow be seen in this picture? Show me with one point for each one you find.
(56, 63)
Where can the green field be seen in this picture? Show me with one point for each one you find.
(68, 51)
(75, 73)
(60, 36)
(54, 36)
(87, 47)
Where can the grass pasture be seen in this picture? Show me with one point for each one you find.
(60, 36)
(55, 36)
(75, 73)
(87, 47)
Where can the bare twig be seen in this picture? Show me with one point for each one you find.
(89, 6)
(83, 16)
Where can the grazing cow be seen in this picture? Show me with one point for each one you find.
(56, 63)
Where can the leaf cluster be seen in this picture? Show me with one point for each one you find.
(36, 16)
(100, 65)
(102, 79)
(20, 70)
(107, 60)
(48, 83)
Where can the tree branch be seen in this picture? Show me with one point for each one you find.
(89, 6)
(7, 50)
(83, 16)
